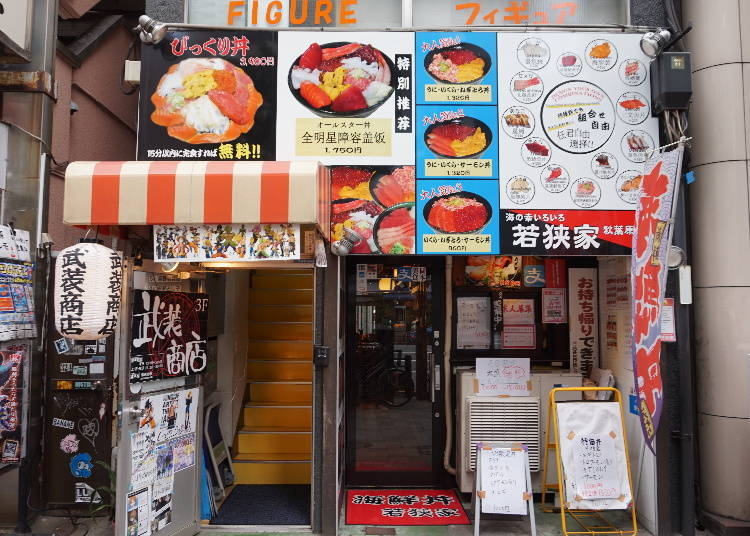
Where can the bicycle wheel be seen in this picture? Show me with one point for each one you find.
(398, 387)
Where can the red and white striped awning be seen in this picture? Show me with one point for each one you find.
(155, 193)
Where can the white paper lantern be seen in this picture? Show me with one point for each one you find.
(88, 280)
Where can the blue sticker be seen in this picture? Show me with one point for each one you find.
(633, 399)
(81, 465)
(690, 177)
(533, 275)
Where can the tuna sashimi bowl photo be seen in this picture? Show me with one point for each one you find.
(342, 79)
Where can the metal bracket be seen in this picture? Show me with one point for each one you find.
(31, 81)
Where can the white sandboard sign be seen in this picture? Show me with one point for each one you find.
(592, 450)
(503, 482)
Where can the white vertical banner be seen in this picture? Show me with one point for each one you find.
(583, 319)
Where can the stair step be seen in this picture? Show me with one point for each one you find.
(300, 393)
(275, 297)
(289, 457)
(283, 280)
(281, 442)
(249, 472)
(295, 350)
(281, 331)
(278, 371)
(280, 313)
(300, 418)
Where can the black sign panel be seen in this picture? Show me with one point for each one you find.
(168, 336)
(209, 95)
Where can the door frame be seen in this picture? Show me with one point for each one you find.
(438, 476)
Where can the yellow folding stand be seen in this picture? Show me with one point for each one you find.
(591, 522)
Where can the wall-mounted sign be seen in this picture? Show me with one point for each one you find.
(238, 243)
(209, 95)
(584, 319)
(576, 128)
(168, 336)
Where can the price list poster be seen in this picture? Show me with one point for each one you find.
(576, 129)
(456, 124)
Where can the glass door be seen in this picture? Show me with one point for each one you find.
(394, 354)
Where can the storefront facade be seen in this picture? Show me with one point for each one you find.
(474, 200)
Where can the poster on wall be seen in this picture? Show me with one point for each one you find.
(499, 271)
(554, 307)
(224, 243)
(209, 95)
(506, 376)
(168, 335)
(457, 217)
(346, 98)
(583, 317)
(12, 390)
(17, 317)
(473, 323)
(576, 129)
(373, 209)
(648, 282)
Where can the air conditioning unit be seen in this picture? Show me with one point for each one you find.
(482, 418)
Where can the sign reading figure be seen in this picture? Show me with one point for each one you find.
(168, 336)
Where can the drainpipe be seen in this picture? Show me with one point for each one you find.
(447, 345)
(43, 48)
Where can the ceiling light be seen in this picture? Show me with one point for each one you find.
(653, 43)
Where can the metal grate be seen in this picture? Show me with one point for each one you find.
(505, 419)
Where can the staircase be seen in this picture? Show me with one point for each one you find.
(274, 442)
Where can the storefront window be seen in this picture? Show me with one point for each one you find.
(395, 13)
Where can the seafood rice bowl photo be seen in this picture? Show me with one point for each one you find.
(463, 212)
(342, 79)
(202, 100)
(465, 137)
(458, 64)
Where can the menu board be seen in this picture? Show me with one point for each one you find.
(576, 127)
(455, 143)
(503, 480)
(473, 331)
(346, 98)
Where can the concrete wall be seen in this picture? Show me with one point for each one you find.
(104, 127)
(719, 124)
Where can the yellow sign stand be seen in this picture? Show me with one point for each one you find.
(591, 522)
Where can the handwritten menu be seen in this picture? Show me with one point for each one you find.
(503, 376)
(503, 480)
(473, 323)
(594, 468)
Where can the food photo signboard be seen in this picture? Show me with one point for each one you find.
(209, 95)
(346, 97)
(576, 129)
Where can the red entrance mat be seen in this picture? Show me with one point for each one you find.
(397, 507)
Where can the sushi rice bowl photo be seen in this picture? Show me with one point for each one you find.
(459, 213)
(465, 137)
(342, 79)
(464, 63)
